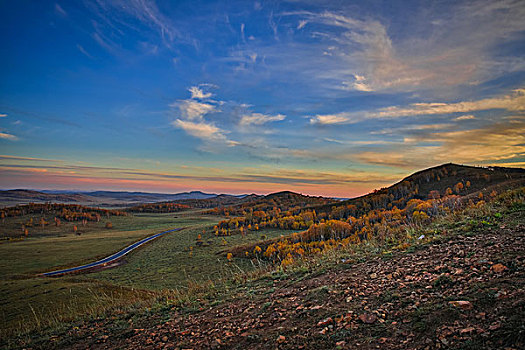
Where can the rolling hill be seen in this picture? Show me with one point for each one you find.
(96, 198)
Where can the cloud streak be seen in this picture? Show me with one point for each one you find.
(495, 142)
(259, 119)
(513, 102)
(6, 136)
(197, 93)
(363, 52)
(120, 14)
(193, 110)
(204, 131)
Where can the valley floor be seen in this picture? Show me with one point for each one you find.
(465, 290)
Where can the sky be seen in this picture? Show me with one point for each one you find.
(332, 98)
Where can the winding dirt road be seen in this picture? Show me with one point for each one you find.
(108, 259)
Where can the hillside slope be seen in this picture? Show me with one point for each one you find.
(204, 203)
(386, 212)
(407, 301)
(435, 182)
(278, 201)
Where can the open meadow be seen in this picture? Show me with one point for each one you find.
(167, 264)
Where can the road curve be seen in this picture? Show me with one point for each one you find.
(108, 259)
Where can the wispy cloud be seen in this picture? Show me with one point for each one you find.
(6, 136)
(341, 118)
(193, 110)
(259, 119)
(495, 142)
(436, 53)
(197, 92)
(359, 84)
(192, 120)
(302, 24)
(8, 157)
(203, 130)
(465, 117)
(231, 118)
(273, 25)
(83, 51)
(60, 10)
(408, 128)
(118, 16)
(3, 115)
(511, 102)
(111, 46)
(360, 142)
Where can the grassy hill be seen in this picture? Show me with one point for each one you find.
(280, 201)
(379, 216)
(434, 183)
(200, 203)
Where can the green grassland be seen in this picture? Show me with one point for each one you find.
(170, 263)
(166, 265)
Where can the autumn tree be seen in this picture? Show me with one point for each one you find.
(199, 240)
(434, 194)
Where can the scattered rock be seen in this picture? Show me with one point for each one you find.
(325, 322)
(495, 326)
(467, 330)
(368, 318)
(281, 339)
(498, 268)
(462, 304)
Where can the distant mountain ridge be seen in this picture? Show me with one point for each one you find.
(99, 198)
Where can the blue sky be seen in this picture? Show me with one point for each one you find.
(321, 97)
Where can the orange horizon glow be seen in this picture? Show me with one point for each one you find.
(49, 179)
(57, 182)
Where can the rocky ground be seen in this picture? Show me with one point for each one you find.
(465, 291)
